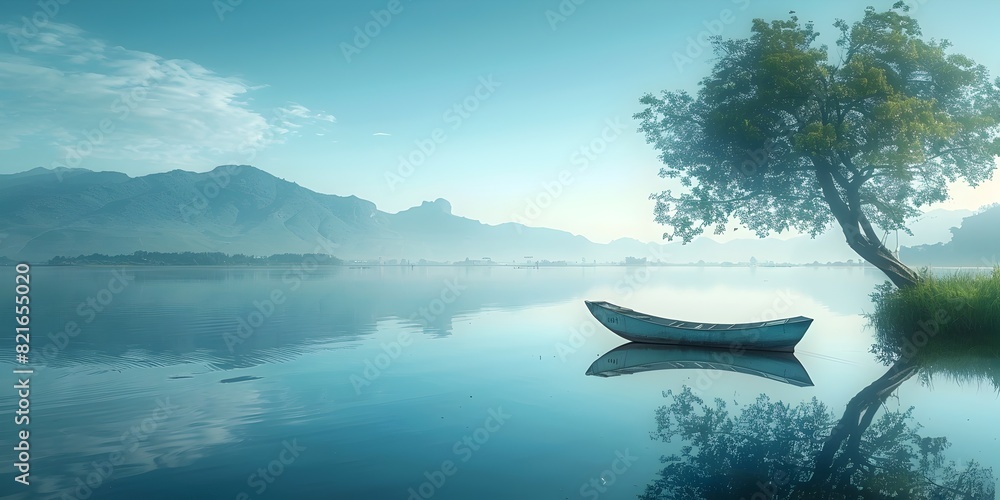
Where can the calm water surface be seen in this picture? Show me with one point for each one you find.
(397, 383)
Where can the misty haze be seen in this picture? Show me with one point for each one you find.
(535, 250)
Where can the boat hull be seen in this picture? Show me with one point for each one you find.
(778, 335)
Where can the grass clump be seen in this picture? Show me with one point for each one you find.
(959, 313)
(947, 324)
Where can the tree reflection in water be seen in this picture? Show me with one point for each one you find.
(770, 449)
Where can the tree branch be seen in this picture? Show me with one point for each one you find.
(868, 229)
(946, 151)
(839, 209)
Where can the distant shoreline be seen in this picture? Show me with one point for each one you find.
(440, 265)
(219, 259)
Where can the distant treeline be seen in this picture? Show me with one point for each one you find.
(194, 259)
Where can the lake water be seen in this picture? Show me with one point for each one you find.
(397, 383)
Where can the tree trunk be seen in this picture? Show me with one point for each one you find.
(861, 237)
(879, 256)
(857, 417)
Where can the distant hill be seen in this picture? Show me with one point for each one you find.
(78, 212)
(976, 242)
(240, 209)
(244, 210)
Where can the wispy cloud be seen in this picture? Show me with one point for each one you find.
(381, 133)
(295, 115)
(82, 96)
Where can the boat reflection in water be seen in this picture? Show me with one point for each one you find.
(636, 357)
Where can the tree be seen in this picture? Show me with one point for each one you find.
(770, 449)
(780, 137)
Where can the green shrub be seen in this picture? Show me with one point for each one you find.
(947, 324)
(960, 312)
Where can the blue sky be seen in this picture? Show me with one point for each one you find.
(516, 110)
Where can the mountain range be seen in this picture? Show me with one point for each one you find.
(976, 242)
(242, 209)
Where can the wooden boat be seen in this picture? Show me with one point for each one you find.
(777, 335)
(635, 357)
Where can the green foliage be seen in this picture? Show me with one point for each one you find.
(947, 324)
(889, 124)
(767, 450)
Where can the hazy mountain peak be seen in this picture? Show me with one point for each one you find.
(44, 171)
(440, 204)
(626, 239)
(53, 178)
(40, 170)
(238, 168)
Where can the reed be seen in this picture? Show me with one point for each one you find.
(943, 316)
(947, 324)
